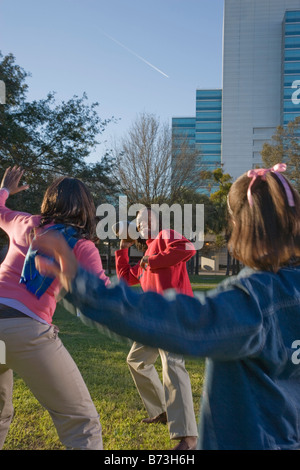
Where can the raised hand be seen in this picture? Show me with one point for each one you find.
(144, 262)
(124, 244)
(11, 180)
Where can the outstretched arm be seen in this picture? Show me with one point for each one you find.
(226, 325)
(10, 184)
(124, 270)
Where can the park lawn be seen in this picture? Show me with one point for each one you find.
(205, 282)
(102, 362)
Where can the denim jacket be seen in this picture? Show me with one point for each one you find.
(248, 329)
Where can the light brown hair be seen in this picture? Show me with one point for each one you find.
(265, 236)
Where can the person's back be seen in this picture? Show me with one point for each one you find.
(28, 302)
(252, 378)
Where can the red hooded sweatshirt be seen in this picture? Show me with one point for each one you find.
(168, 254)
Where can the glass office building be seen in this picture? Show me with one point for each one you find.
(202, 132)
(260, 85)
(208, 127)
(290, 105)
(183, 130)
(261, 73)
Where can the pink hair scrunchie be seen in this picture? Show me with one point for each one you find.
(277, 169)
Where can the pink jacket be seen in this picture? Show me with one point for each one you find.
(18, 225)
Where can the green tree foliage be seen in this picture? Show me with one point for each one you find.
(48, 139)
(193, 197)
(219, 199)
(215, 205)
(285, 148)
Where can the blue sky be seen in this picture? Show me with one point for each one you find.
(118, 52)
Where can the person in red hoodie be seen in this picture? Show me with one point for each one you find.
(162, 267)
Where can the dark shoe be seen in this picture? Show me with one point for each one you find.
(183, 445)
(162, 418)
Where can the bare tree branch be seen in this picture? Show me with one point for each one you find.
(149, 169)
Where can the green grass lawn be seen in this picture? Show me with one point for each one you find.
(102, 362)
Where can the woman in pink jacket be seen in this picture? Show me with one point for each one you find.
(33, 349)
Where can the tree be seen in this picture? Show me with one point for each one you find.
(215, 211)
(145, 168)
(219, 199)
(285, 148)
(47, 138)
(193, 197)
(210, 213)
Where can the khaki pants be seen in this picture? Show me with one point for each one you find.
(36, 354)
(173, 396)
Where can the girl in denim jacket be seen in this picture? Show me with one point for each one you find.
(248, 328)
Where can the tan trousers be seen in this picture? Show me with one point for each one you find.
(36, 354)
(173, 396)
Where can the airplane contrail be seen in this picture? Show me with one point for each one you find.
(135, 54)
